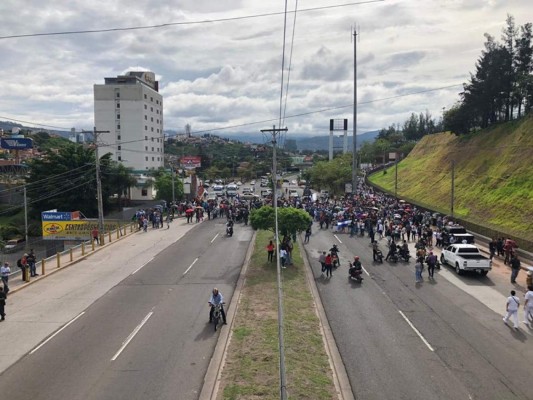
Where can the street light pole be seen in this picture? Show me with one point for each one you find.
(99, 182)
(354, 156)
(281, 339)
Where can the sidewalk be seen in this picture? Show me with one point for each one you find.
(37, 309)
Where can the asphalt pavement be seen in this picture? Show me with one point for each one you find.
(440, 339)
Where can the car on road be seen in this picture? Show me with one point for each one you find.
(465, 257)
(293, 182)
(13, 244)
(293, 193)
(456, 234)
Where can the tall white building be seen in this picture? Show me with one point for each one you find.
(131, 109)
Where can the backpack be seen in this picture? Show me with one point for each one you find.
(19, 263)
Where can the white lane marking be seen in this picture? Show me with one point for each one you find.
(336, 237)
(366, 272)
(416, 331)
(190, 266)
(57, 333)
(215, 237)
(132, 335)
(138, 269)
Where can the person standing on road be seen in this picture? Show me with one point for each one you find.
(322, 261)
(492, 248)
(513, 303)
(307, 234)
(528, 307)
(515, 267)
(95, 235)
(329, 265)
(31, 263)
(4, 272)
(419, 266)
(270, 250)
(2, 304)
(431, 261)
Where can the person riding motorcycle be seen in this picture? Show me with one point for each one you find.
(216, 299)
(356, 268)
(229, 227)
(404, 250)
(376, 252)
(335, 256)
(392, 251)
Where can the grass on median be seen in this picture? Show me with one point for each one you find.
(252, 362)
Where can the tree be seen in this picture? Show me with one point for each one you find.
(290, 220)
(118, 179)
(163, 186)
(524, 69)
(66, 181)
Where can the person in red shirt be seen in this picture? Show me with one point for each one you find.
(95, 235)
(270, 249)
(329, 265)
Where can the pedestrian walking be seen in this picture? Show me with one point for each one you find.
(419, 266)
(283, 257)
(515, 267)
(512, 305)
(270, 250)
(4, 272)
(307, 234)
(528, 307)
(329, 265)
(322, 261)
(95, 235)
(431, 261)
(492, 248)
(2, 304)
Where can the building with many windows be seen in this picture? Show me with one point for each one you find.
(131, 109)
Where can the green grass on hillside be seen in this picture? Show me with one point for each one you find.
(493, 176)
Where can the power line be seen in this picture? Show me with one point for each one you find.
(184, 23)
(274, 119)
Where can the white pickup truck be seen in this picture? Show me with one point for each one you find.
(465, 257)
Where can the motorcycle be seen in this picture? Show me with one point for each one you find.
(404, 256)
(379, 256)
(355, 274)
(335, 256)
(229, 229)
(217, 315)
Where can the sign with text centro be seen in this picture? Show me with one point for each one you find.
(190, 162)
(16, 143)
(74, 230)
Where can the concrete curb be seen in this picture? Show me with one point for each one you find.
(218, 359)
(340, 377)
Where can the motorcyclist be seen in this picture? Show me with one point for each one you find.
(375, 250)
(392, 250)
(229, 227)
(216, 299)
(404, 250)
(335, 255)
(356, 268)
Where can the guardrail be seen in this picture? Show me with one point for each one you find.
(66, 257)
(487, 232)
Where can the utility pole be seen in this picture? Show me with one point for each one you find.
(453, 189)
(25, 216)
(354, 157)
(99, 182)
(282, 379)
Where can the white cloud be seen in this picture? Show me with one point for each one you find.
(221, 74)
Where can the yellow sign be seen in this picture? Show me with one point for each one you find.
(74, 230)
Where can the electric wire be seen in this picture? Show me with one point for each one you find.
(290, 66)
(183, 23)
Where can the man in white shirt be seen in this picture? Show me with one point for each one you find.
(283, 257)
(528, 307)
(513, 303)
(4, 272)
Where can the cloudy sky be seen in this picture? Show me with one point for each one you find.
(228, 73)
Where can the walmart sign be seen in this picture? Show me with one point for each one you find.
(16, 143)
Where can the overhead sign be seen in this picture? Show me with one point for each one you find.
(16, 143)
(191, 162)
(74, 230)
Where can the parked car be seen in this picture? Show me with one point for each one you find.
(465, 257)
(13, 244)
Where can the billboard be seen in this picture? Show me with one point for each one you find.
(190, 162)
(16, 143)
(73, 230)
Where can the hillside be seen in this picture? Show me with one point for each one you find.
(493, 176)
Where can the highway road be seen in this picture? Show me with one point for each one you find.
(434, 340)
(146, 338)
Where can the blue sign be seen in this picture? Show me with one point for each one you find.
(16, 143)
(56, 216)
